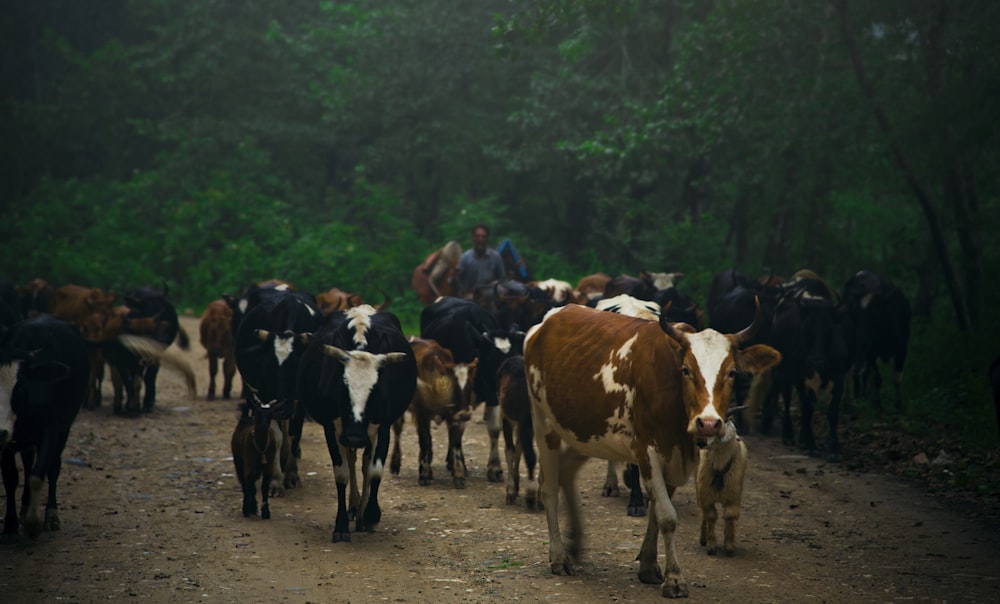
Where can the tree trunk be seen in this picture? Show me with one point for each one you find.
(902, 161)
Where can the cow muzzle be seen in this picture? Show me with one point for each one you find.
(708, 426)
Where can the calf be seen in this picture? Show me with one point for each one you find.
(357, 377)
(87, 308)
(444, 392)
(518, 430)
(256, 445)
(43, 382)
(217, 339)
(721, 470)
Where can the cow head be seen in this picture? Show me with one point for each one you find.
(361, 376)
(709, 363)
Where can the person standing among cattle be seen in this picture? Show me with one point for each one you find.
(481, 265)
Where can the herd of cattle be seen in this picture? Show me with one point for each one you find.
(647, 384)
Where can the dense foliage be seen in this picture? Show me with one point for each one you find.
(212, 143)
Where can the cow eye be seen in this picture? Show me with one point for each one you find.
(732, 374)
(685, 371)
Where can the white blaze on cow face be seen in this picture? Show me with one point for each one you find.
(8, 377)
(606, 375)
(360, 321)
(711, 349)
(361, 375)
(502, 344)
(283, 348)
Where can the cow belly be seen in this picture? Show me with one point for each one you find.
(614, 442)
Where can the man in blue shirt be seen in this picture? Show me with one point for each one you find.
(481, 265)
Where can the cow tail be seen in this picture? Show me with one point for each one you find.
(182, 338)
(152, 350)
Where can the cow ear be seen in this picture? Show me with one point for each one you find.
(337, 353)
(757, 358)
(393, 358)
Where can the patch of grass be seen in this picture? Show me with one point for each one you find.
(505, 564)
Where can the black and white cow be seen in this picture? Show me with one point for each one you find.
(270, 340)
(357, 377)
(43, 382)
(471, 332)
(880, 315)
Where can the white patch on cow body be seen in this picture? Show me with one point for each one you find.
(631, 306)
(462, 375)
(283, 348)
(360, 321)
(8, 378)
(243, 304)
(866, 300)
(606, 374)
(711, 349)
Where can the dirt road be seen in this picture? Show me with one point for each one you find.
(151, 511)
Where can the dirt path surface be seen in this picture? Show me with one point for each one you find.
(150, 510)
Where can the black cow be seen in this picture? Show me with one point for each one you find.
(357, 377)
(682, 307)
(270, 340)
(43, 382)
(880, 315)
(732, 300)
(813, 334)
(148, 302)
(470, 332)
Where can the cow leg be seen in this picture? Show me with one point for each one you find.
(51, 521)
(570, 463)
(47, 466)
(709, 515)
(897, 382)
(94, 380)
(354, 499)
(247, 486)
(396, 459)
(267, 478)
(877, 387)
(456, 430)
(8, 467)
(341, 474)
(549, 445)
(228, 373)
(730, 513)
(527, 446)
(274, 483)
(611, 488)
(833, 420)
(636, 498)
(426, 455)
(787, 428)
(291, 453)
(512, 452)
(662, 522)
(807, 403)
(213, 368)
(149, 395)
(373, 468)
(494, 473)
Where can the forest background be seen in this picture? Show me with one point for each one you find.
(209, 144)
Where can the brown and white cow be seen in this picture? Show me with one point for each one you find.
(615, 387)
(217, 339)
(444, 393)
(592, 286)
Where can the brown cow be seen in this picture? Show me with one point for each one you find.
(444, 392)
(336, 299)
(217, 339)
(615, 387)
(592, 286)
(433, 277)
(87, 308)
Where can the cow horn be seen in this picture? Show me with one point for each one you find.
(751, 330)
(385, 302)
(393, 357)
(337, 353)
(262, 334)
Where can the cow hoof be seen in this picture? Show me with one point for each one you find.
(494, 475)
(637, 511)
(424, 481)
(459, 483)
(10, 538)
(343, 536)
(511, 499)
(265, 513)
(292, 480)
(651, 576)
(210, 397)
(610, 492)
(562, 569)
(52, 522)
(710, 551)
(674, 588)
